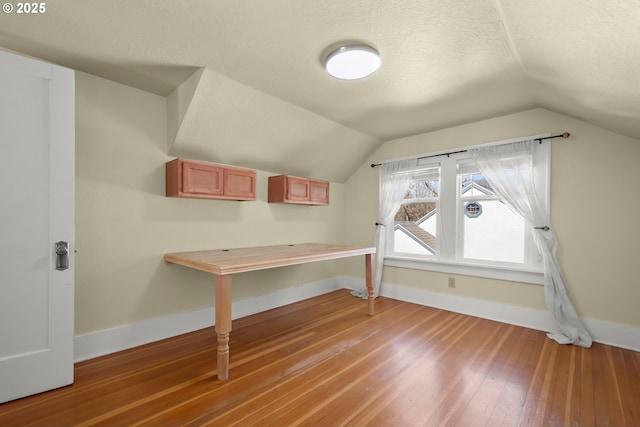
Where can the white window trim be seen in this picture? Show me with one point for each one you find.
(467, 269)
(506, 272)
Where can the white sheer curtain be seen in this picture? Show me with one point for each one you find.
(509, 170)
(395, 178)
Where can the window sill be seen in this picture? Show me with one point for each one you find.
(525, 276)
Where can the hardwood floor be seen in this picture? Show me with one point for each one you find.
(324, 362)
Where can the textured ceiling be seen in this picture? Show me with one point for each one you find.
(245, 82)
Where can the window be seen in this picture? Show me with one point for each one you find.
(416, 220)
(499, 235)
(452, 221)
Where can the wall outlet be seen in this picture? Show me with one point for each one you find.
(452, 282)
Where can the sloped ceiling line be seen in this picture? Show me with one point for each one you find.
(178, 104)
(512, 46)
(231, 123)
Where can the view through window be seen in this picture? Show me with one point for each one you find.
(451, 214)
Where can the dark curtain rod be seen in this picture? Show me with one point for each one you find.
(564, 135)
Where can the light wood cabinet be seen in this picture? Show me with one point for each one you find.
(203, 180)
(297, 190)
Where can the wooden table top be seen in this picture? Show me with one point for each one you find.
(240, 260)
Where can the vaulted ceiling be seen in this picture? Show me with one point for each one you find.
(246, 86)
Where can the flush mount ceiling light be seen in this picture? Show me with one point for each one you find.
(352, 62)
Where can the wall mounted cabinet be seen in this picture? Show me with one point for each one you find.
(203, 180)
(296, 190)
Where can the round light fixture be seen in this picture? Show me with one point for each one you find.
(352, 62)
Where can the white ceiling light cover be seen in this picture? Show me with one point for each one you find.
(352, 62)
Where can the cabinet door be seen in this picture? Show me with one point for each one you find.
(298, 189)
(240, 184)
(319, 191)
(199, 178)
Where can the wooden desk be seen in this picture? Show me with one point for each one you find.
(225, 262)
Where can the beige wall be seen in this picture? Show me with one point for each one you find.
(124, 223)
(593, 211)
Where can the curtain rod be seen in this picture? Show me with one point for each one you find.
(564, 135)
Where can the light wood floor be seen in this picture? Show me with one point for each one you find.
(324, 362)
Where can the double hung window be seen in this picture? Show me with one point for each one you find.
(451, 220)
(416, 222)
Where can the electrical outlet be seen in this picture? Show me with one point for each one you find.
(452, 282)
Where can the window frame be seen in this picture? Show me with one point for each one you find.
(530, 255)
(449, 259)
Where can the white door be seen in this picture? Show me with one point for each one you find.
(36, 211)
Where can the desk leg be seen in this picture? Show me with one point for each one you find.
(370, 274)
(223, 323)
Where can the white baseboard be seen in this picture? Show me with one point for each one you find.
(603, 332)
(614, 334)
(99, 343)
